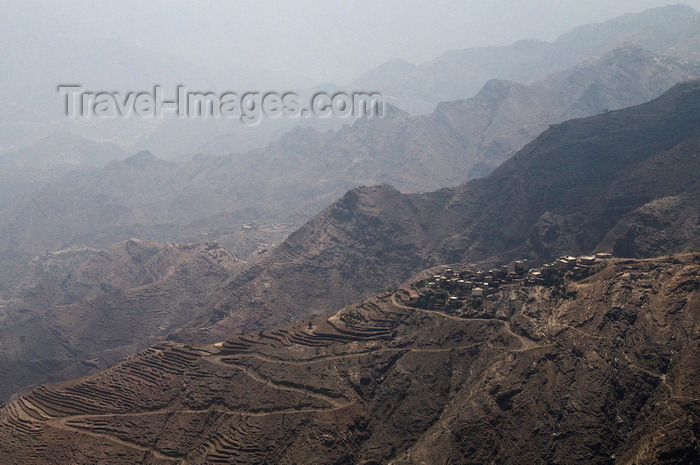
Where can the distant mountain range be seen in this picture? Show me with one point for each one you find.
(31, 108)
(295, 177)
(459, 74)
(669, 32)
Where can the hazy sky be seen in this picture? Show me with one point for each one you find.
(330, 40)
(336, 40)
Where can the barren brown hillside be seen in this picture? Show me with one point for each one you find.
(590, 370)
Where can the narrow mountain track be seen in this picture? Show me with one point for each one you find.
(268, 382)
(525, 343)
(60, 423)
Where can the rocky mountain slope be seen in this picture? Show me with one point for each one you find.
(504, 116)
(591, 370)
(72, 312)
(292, 179)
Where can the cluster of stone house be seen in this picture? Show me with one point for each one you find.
(576, 267)
(460, 284)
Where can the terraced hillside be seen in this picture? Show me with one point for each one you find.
(597, 369)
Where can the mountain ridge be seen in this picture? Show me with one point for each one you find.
(531, 206)
(459, 74)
